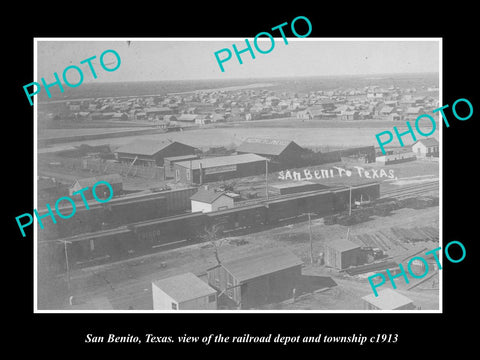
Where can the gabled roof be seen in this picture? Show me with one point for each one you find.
(265, 146)
(206, 196)
(145, 147)
(184, 287)
(261, 263)
(387, 299)
(343, 245)
(427, 142)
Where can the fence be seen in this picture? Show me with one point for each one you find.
(99, 166)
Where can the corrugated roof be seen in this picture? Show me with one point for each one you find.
(261, 263)
(206, 196)
(144, 147)
(387, 299)
(221, 161)
(264, 146)
(343, 245)
(111, 179)
(184, 287)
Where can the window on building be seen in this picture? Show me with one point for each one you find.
(177, 174)
(188, 175)
(92, 245)
(211, 298)
(174, 306)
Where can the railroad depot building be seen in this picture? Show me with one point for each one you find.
(102, 191)
(281, 153)
(258, 279)
(426, 148)
(206, 200)
(340, 254)
(387, 299)
(152, 152)
(205, 170)
(183, 292)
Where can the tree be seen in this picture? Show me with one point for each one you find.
(211, 235)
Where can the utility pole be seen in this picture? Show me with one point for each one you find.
(66, 264)
(310, 235)
(350, 211)
(266, 178)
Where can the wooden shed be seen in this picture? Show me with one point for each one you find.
(183, 292)
(341, 254)
(261, 278)
(387, 299)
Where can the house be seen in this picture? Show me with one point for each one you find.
(200, 171)
(387, 299)
(261, 278)
(102, 191)
(281, 153)
(207, 200)
(428, 147)
(183, 292)
(340, 254)
(152, 152)
(350, 115)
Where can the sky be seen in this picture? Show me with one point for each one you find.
(180, 59)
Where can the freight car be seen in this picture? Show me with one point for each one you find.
(241, 218)
(168, 230)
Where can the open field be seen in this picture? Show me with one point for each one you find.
(232, 137)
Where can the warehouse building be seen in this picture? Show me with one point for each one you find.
(183, 292)
(218, 168)
(387, 299)
(281, 153)
(168, 163)
(258, 279)
(102, 191)
(206, 200)
(292, 187)
(340, 254)
(152, 152)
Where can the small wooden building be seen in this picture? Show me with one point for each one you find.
(340, 254)
(428, 147)
(102, 191)
(261, 278)
(387, 299)
(183, 292)
(209, 200)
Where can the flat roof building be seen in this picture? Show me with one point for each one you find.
(204, 170)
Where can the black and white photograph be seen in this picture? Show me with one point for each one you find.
(219, 179)
(264, 189)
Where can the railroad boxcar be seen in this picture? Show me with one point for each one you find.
(244, 217)
(169, 230)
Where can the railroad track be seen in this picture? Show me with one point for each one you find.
(412, 190)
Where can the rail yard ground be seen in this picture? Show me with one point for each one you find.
(127, 284)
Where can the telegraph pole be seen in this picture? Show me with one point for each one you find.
(310, 235)
(266, 178)
(67, 265)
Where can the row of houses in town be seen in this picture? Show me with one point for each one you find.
(204, 107)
